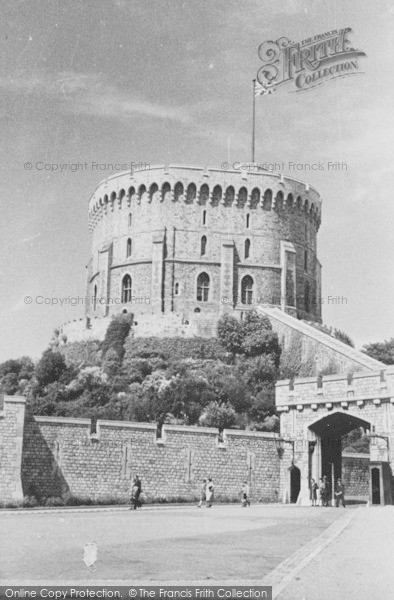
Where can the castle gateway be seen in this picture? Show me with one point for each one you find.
(315, 415)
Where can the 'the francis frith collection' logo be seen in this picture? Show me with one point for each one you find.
(306, 64)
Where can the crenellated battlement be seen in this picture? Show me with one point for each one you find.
(375, 386)
(208, 187)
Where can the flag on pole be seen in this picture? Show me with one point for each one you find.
(262, 90)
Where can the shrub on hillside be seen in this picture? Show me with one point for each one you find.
(116, 334)
(50, 368)
(82, 354)
(173, 349)
(342, 336)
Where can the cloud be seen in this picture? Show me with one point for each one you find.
(91, 94)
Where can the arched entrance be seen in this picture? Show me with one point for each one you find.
(295, 483)
(326, 456)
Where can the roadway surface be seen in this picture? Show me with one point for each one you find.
(305, 552)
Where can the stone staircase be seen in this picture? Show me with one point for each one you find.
(365, 361)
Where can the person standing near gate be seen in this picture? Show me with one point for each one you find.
(340, 494)
(325, 491)
(314, 488)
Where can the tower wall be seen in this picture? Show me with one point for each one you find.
(164, 226)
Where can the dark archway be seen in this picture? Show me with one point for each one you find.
(327, 454)
(295, 483)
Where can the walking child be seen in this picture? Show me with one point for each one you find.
(245, 494)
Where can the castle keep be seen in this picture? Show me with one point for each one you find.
(188, 240)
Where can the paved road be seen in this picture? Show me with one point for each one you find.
(170, 544)
(357, 565)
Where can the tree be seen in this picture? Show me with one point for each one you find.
(50, 367)
(230, 334)
(9, 384)
(252, 337)
(383, 351)
(256, 373)
(15, 375)
(191, 393)
(218, 415)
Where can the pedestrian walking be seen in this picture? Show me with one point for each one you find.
(209, 493)
(135, 493)
(340, 494)
(313, 492)
(245, 494)
(202, 492)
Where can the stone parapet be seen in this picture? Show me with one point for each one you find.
(335, 389)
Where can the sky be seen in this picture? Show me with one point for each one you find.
(115, 81)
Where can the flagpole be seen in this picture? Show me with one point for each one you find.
(254, 120)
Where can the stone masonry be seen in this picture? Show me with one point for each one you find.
(11, 443)
(60, 457)
(250, 235)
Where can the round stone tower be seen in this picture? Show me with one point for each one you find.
(188, 240)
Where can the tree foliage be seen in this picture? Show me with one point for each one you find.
(116, 334)
(50, 368)
(383, 351)
(221, 383)
(252, 337)
(218, 415)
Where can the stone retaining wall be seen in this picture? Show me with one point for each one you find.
(60, 457)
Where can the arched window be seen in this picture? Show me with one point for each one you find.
(203, 287)
(154, 188)
(203, 245)
(230, 195)
(176, 289)
(305, 260)
(247, 221)
(191, 192)
(128, 248)
(242, 196)
(141, 192)
(165, 190)
(126, 289)
(247, 248)
(204, 217)
(178, 190)
(95, 297)
(247, 290)
(130, 219)
(216, 194)
(204, 193)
